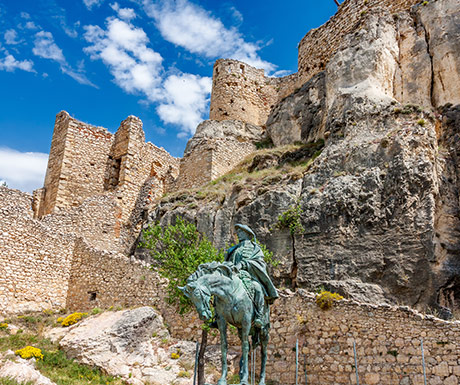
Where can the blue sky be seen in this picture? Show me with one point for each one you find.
(103, 60)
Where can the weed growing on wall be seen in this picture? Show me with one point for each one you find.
(290, 219)
(325, 299)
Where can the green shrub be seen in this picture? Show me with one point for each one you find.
(290, 219)
(421, 122)
(177, 251)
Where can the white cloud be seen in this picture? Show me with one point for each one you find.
(45, 47)
(9, 63)
(186, 101)
(123, 48)
(25, 15)
(123, 13)
(182, 98)
(11, 37)
(91, 3)
(195, 29)
(31, 25)
(22, 170)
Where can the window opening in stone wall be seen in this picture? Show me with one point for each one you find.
(92, 295)
(242, 68)
(113, 174)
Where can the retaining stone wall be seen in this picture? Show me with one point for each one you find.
(103, 279)
(34, 258)
(320, 44)
(387, 342)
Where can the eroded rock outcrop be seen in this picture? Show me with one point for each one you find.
(128, 344)
(379, 205)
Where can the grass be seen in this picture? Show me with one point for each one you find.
(9, 381)
(57, 367)
(54, 365)
(290, 165)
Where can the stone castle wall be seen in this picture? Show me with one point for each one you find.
(86, 161)
(76, 165)
(103, 279)
(55, 262)
(320, 44)
(34, 257)
(242, 92)
(215, 149)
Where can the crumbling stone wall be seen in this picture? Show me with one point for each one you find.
(103, 279)
(244, 93)
(215, 149)
(320, 44)
(87, 161)
(387, 342)
(34, 257)
(76, 165)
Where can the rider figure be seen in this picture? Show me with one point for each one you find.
(247, 255)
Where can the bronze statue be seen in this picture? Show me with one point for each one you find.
(242, 292)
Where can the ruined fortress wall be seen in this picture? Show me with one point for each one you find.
(97, 220)
(87, 161)
(227, 154)
(242, 92)
(103, 279)
(196, 166)
(34, 258)
(320, 44)
(77, 163)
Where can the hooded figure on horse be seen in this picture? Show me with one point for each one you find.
(242, 292)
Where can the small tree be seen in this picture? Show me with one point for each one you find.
(177, 251)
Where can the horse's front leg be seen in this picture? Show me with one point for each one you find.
(264, 343)
(223, 348)
(244, 373)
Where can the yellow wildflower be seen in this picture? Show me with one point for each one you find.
(29, 352)
(73, 319)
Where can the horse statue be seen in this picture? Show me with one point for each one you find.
(233, 291)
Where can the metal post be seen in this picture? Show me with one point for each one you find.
(253, 356)
(196, 362)
(305, 368)
(297, 362)
(423, 361)
(356, 363)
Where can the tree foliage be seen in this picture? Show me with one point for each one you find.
(177, 250)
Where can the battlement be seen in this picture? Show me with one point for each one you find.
(242, 92)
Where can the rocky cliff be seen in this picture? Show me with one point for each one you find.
(380, 204)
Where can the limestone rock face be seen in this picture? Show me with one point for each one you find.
(441, 20)
(300, 115)
(23, 371)
(413, 76)
(380, 204)
(226, 129)
(122, 344)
